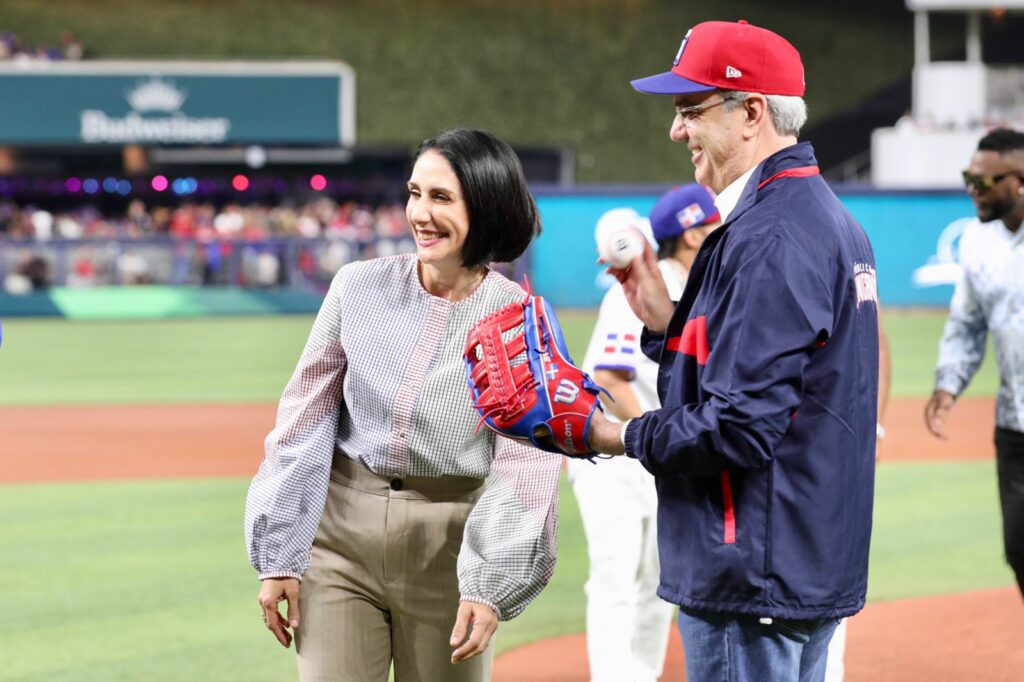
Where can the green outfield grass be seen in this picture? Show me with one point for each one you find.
(248, 359)
(914, 340)
(149, 580)
(222, 359)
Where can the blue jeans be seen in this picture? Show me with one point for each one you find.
(733, 647)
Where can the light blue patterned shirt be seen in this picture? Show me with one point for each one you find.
(989, 298)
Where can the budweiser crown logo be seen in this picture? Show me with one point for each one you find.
(156, 95)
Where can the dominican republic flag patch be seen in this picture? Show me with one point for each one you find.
(619, 352)
(620, 343)
(691, 215)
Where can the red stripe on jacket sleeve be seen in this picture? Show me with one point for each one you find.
(693, 341)
(730, 512)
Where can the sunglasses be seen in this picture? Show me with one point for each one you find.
(983, 183)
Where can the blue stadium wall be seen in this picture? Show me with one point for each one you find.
(913, 234)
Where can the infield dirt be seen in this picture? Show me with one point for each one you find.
(84, 443)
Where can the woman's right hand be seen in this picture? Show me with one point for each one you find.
(272, 592)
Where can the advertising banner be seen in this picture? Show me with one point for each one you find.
(177, 103)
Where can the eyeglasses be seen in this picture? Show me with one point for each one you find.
(983, 183)
(691, 114)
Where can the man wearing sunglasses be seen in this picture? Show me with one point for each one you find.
(763, 451)
(989, 297)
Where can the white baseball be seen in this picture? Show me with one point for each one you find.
(622, 246)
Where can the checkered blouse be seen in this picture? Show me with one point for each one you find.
(382, 378)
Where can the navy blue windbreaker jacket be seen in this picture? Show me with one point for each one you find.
(764, 447)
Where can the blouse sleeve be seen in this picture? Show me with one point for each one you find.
(286, 498)
(510, 542)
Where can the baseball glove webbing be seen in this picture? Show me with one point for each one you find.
(526, 387)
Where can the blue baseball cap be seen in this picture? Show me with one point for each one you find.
(681, 208)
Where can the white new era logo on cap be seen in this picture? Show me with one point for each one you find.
(732, 72)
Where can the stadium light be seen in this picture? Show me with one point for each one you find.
(182, 186)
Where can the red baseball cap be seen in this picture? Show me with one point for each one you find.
(722, 55)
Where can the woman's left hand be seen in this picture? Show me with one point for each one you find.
(479, 622)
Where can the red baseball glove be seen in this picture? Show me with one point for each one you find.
(527, 387)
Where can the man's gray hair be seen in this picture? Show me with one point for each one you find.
(788, 113)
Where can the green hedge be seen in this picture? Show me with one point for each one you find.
(536, 72)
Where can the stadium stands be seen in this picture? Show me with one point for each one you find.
(292, 244)
(67, 47)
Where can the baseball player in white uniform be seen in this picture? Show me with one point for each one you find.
(627, 623)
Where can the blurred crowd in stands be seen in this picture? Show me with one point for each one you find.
(289, 244)
(67, 47)
(322, 217)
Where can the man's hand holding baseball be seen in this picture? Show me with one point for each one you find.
(646, 291)
(272, 592)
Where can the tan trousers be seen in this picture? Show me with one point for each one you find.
(381, 584)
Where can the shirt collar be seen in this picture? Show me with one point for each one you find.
(793, 156)
(1010, 236)
(727, 199)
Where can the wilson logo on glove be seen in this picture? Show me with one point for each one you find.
(523, 382)
(566, 392)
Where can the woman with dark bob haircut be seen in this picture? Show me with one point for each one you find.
(396, 531)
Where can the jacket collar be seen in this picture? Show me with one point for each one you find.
(793, 156)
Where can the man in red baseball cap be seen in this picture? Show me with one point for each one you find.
(763, 449)
(732, 66)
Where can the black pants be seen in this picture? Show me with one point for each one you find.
(1010, 466)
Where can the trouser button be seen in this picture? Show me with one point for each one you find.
(396, 484)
